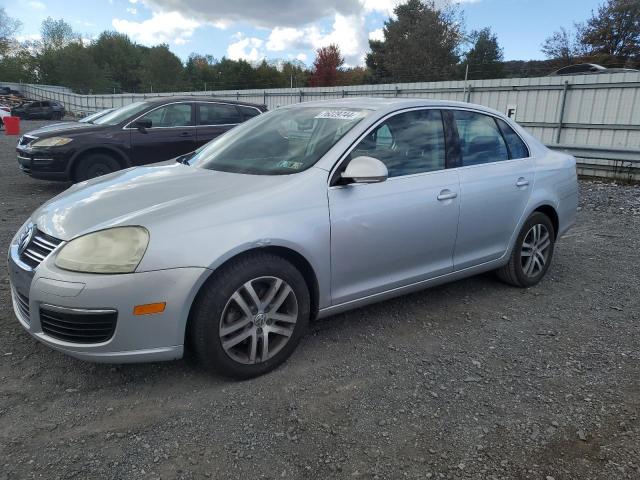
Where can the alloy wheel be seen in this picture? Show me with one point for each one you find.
(534, 253)
(258, 320)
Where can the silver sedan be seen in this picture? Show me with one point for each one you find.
(300, 213)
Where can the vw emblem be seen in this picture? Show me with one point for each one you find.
(25, 238)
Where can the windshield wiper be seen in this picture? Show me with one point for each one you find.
(184, 159)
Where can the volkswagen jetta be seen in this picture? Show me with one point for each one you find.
(299, 213)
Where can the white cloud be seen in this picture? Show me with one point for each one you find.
(377, 34)
(347, 32)
(36, 5)
(132, 10)
(281, 38)
(302, 57)
(246, 48)
(163, 27)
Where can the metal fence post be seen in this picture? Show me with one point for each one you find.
(563, 103)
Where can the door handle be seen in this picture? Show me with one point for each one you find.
(447, 195)
(522, 182)
(185, 134)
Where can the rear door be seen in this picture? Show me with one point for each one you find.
(172, 133)
(213, 119)
(496, 177)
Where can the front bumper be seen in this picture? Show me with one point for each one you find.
(136, 338)
(46, 164)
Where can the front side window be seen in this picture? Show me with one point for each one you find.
(218, 114)
(517, 148)
(407, 143)
(172, 115)
(480, 139)
(279, 142)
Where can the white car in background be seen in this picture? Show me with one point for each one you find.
(4, 112)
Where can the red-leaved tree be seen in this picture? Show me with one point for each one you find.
(325, 66)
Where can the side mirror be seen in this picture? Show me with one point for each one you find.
(365, 170)
(143, 124)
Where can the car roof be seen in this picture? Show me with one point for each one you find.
(199, 98)
(391, 104)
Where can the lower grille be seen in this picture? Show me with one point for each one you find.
(22, 304)
(78, 327)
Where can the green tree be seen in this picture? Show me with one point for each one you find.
(57, 34)
(561, 46)
(8, 28)
(120, 59)
(161, 70)
(76, 69)
(421, 44)
(485, 57)
(612, 34)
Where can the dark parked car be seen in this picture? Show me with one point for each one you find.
(136, 134)
(48, 110)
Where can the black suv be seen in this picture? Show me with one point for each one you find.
(136, 134)
(47, 110)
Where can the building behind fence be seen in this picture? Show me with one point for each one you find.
(594, 117)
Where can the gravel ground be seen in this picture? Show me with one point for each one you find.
(470, 380)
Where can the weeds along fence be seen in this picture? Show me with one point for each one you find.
(594, 117)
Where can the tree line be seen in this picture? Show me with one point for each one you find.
(422, 42)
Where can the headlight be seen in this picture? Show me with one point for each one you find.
(52, 142)
(115, 250)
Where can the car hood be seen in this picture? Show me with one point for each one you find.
(65, 128)
(146, 196)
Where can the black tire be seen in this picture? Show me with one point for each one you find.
(95, 165)
(514, 273)
(206, 317)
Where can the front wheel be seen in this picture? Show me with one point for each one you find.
(250, 317)
(95, 165)
(532, 253)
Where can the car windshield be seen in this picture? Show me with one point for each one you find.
(280, 142)
(94, 116)
(121, 114)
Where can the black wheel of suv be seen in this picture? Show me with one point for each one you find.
(250, 316)
(95, 165)
(532, 252)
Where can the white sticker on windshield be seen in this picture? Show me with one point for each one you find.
(338, 114)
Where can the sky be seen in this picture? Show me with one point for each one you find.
(289, 29)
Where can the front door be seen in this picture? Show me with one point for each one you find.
(400, 231)
(172, 133)
(496, 177)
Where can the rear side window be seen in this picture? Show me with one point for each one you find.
(480, 139)
(218, 114)
(249, 112)
(517, 148)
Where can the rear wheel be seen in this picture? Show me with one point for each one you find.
(95, 165)
(250, 317)
(532, 253)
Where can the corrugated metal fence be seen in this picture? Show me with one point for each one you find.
(594, 117)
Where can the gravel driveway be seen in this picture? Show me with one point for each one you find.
(470, 380)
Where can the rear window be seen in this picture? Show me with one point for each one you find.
(517, 148)
(249, 112)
